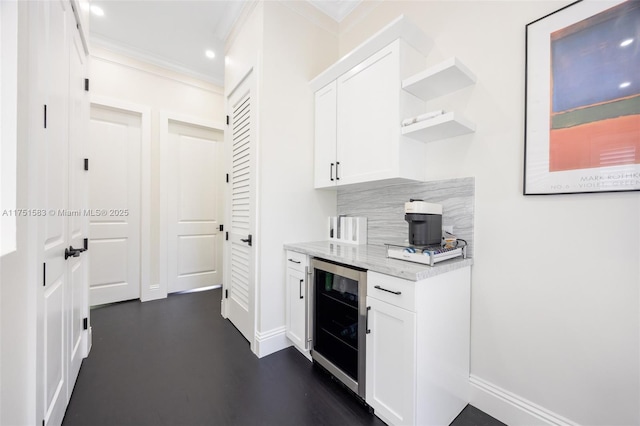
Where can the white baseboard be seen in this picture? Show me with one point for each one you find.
(510, 408)
(271, 341)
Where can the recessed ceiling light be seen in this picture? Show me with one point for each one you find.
(626, 42)
(97, 10)
(625, 84)
(210, 54)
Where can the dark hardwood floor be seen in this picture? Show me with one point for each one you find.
(178, 362)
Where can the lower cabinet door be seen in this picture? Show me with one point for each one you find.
(391, 362)
(296, 314)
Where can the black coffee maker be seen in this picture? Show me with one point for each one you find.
(425, 222)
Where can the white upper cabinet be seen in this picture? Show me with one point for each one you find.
(358, 118)
(325, 136)
(368, 114)
(362, 100)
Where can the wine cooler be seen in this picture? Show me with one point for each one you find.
(339, 322)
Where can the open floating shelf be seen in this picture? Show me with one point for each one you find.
(441, 127)
(444, 78)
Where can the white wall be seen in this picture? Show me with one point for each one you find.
(127, 80)
(8, 119)
(17, 281)
(295, 51)
(555, 305)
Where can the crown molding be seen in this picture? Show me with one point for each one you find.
(336, 9)
(99, 53)
(247, 10)
(232, 14)
(144, 56)
(315, 15)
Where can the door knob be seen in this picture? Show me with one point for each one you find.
(246, 240)
(72, 252)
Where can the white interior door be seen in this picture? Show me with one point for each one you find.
(195, 206)
(53, 236)
(114, 158)
(78, 223)
(60, 189)
(57, 79)
(240, 279)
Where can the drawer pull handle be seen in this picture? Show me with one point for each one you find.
(388, 291)
(294, 261)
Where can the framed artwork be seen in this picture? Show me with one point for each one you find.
(582, 112)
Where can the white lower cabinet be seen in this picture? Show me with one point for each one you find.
(391, 362)
(296, 302)
(417, 369)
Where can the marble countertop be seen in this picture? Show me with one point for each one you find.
(374, 258)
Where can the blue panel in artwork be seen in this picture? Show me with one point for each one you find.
(589, 65)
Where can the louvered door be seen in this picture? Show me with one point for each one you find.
(240, 278)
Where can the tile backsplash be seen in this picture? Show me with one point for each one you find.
(384, 207)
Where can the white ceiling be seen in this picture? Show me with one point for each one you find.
(176, 33)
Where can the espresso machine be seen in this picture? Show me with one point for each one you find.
(425, 222)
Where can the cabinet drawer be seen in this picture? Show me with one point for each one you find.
(395, 291)
(297, 261)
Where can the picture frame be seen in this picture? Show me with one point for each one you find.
(582, 99)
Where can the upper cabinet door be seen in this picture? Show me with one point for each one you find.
(325, 136)
(368, 127)
(358, 122)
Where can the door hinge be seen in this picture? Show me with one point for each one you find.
(86, 84)
(44, 274)
(85, 323)
(221, 228)
(227, 120)
(86, 164)
(45, 116)
(86, 244)
(226, 237)
(226, 294)
(227, 177)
